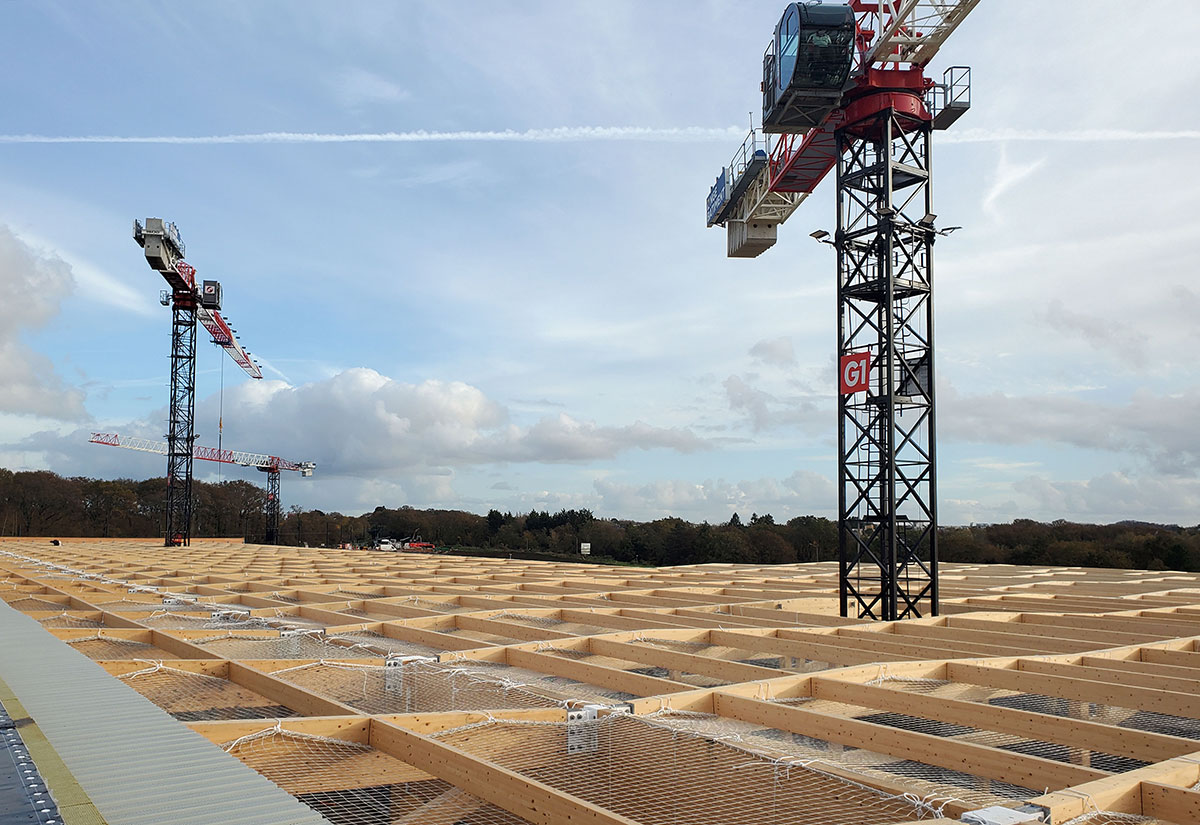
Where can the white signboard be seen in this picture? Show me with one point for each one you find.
(585, 548)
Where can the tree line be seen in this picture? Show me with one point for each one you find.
(42, 503)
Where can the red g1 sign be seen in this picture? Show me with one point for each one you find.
(854, 371)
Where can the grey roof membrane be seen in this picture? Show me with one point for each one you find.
(138, 764)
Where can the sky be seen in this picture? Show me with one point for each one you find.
(466, 240)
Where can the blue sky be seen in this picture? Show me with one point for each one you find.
(475, 321)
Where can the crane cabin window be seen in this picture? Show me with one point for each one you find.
(808, 63)
(787, 42)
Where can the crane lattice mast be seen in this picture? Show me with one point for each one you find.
(269, 464)
(844, 88)
(189, 303)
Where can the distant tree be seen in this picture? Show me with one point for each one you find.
(44, 503)
(812, 538)
(495, 520)
(769, 547)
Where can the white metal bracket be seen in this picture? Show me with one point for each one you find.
(583, 735)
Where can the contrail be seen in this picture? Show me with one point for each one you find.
(561, 134)
(1076, 136)
(580, 134)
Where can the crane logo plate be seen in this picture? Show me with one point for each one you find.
(854, 372)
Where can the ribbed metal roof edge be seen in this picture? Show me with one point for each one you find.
(125, 752)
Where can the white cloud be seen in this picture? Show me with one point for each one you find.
(99, 286)
(777, 352)
(802, 493)
(766, 411)
(1124, 342)
(31, 286)
(363, 424)
(1159, 429)
(753, 402)
(92, 281)
(575, 265)
(1114, 496)
(1068, 135)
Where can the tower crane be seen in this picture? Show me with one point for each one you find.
(845, 87)
(165, 254)
(269, 464)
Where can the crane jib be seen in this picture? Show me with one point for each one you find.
(221, 456)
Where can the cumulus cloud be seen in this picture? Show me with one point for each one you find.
(31, 286)
(766, 411)
(1114, 496)
(562, 438)
(746, 399)
(1127, 344)
(360, 423)
(1159, 429)
(88, 279)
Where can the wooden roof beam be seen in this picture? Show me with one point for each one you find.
(1076, 733)
(942, 752)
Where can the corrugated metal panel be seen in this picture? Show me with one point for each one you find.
(137, 763)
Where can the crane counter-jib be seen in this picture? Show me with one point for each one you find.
(749, 160)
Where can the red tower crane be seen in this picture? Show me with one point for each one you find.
(844, 87)
(165, 252)
(269, 464)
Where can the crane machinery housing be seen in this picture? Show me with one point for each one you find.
(844, 87)
(165, 252)
(269, 464)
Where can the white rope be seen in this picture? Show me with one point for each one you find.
(155, 667)
(92, 638)
(250, 737)
(1109, 816)
(1088, 801)
(319, 663)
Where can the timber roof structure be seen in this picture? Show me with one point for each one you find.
(380, 688)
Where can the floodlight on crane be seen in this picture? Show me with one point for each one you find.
(844, 87)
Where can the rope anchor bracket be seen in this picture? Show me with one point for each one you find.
(583, 734)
